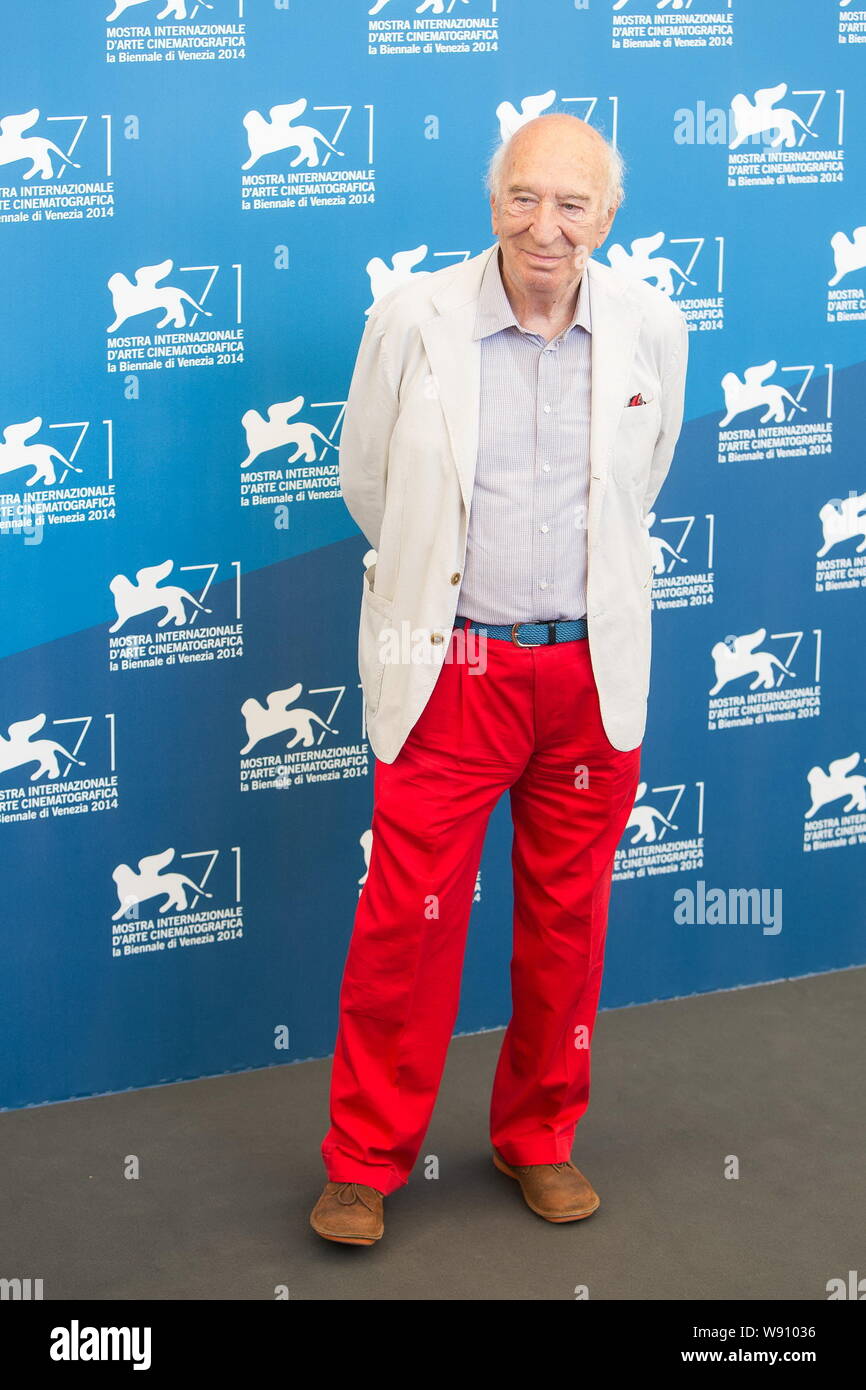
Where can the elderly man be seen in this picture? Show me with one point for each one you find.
(509, 424)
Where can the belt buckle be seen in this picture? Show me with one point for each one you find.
(516, 640)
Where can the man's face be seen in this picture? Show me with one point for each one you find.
(551, 214)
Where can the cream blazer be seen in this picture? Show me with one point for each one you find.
(407, 462)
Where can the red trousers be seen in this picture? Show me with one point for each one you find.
(529, 723)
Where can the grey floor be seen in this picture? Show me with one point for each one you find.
(230, 1167)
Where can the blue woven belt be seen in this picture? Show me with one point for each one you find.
(533, 634)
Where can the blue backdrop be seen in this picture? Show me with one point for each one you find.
(198, 203)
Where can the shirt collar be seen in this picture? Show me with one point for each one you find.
(494, 310)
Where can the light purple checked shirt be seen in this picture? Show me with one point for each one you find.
(526, 547)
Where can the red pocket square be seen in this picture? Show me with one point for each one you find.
(638, 400)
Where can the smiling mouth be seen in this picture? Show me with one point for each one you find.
(548, 260)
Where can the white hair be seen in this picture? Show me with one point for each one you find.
(614, 188)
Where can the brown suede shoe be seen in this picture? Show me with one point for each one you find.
(349, 1212)
(556, 1191)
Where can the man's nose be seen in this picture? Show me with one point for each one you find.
(545, 221)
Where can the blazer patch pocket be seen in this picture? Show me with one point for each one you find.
(636, 436)
(376, 616)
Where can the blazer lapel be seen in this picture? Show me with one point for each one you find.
(615, 325)
(455, 362)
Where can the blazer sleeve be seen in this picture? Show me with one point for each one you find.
(672, 404)
(368, 422)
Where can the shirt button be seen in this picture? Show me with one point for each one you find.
(542, 584)
(545, 468)
(544, 527)
(547, 409)
(455, 578)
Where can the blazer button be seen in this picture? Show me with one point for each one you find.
(436, 637)
(455, 578)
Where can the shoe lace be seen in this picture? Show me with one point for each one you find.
(349, 1192)
(527, 1167)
